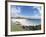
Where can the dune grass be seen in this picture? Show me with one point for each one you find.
(15, 27)
(18, 27)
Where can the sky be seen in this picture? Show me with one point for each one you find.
(17, 10)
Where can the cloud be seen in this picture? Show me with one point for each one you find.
(39, 10)
(15, 11)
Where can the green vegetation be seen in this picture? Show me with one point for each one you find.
(17, 27)
(38, 27)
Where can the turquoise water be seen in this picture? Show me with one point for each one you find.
(34, 21)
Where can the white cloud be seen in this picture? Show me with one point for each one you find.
(39, 9)
(15, 11)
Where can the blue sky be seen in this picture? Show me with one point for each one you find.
(18, 10)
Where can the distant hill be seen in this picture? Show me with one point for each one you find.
(26, 17)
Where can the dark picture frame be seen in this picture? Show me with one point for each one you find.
(6, 18)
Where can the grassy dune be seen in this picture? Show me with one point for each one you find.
(18, 27)
(15, 27)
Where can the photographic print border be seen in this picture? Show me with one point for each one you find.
(6, 18)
